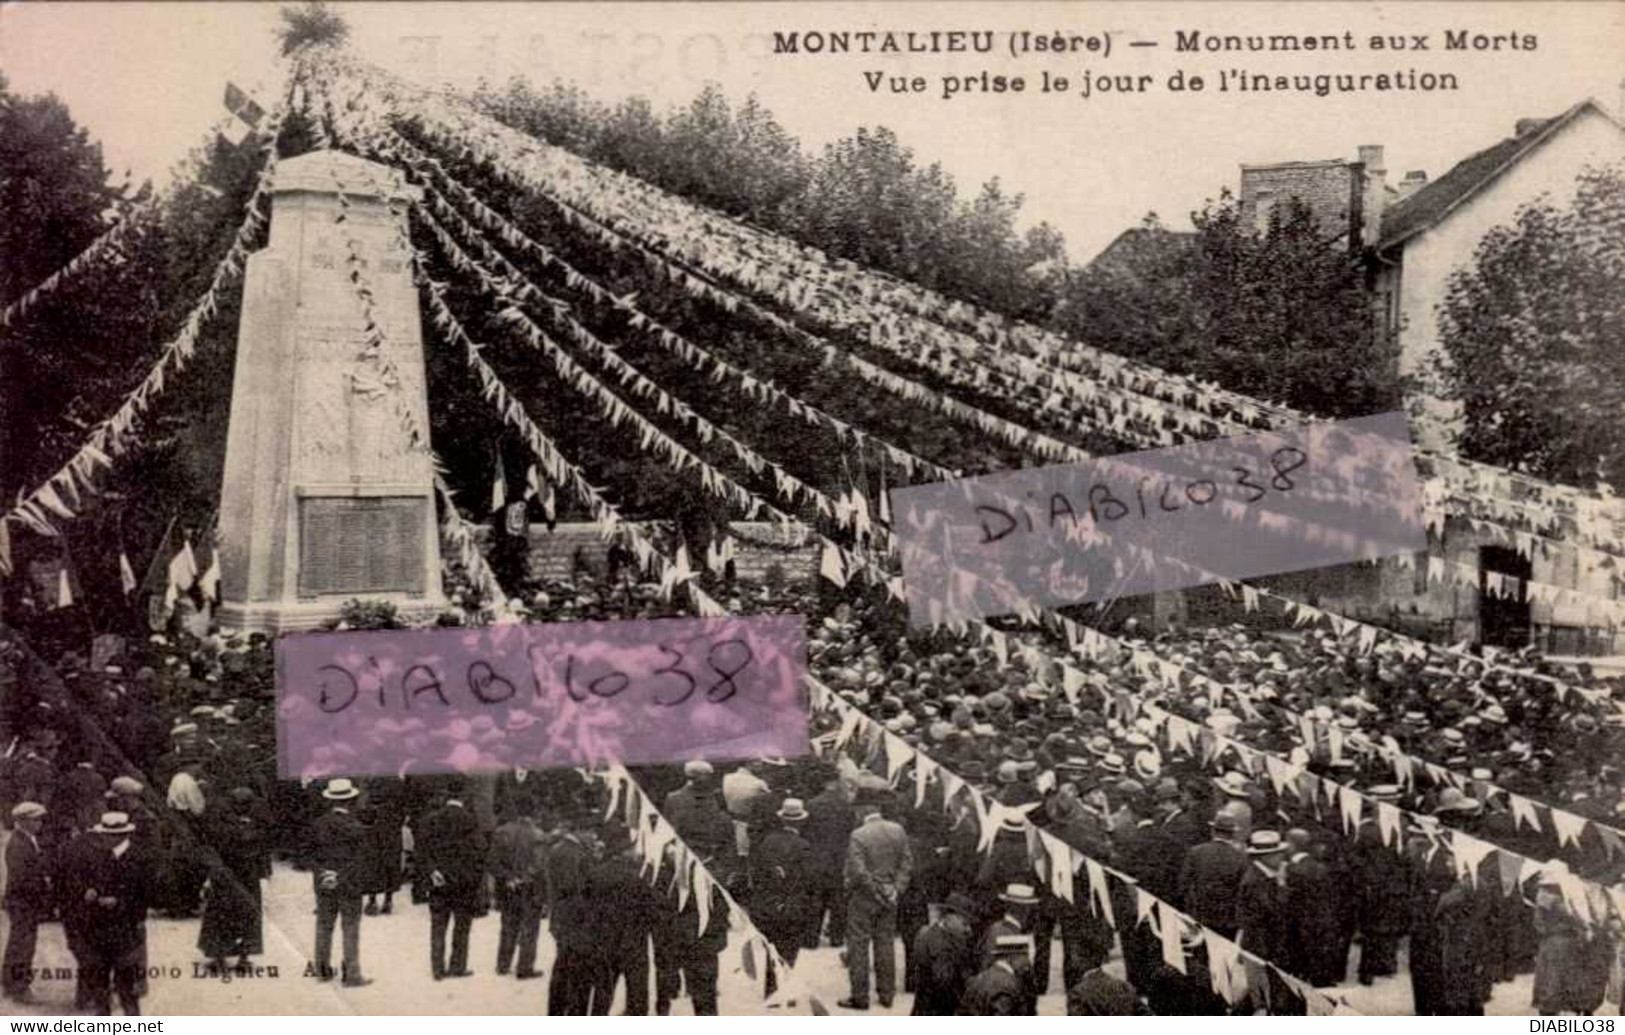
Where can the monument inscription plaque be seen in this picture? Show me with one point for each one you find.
(326, 498)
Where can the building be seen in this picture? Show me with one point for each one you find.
(1414, 234)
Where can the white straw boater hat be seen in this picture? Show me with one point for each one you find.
(340, 789)
(114, 823)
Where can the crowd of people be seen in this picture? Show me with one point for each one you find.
(146, 784)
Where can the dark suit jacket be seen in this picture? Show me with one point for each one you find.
(1209, 882)
(449, 840)
(779, 866)
(92, 865)
(996, 992)
(339, 843)
(943, 965)
(28, 881)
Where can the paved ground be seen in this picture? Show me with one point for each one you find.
(395, 953)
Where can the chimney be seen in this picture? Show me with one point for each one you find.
(1414, 181)
(1525, 126)
(1374, 194)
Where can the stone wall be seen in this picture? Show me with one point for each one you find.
(760, 546)
(1331, 190)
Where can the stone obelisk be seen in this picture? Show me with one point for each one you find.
(325, 499)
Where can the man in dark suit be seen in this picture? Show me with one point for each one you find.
(519, 875)
(28, 898)
(879, 864)
(451, 849)
(1382, 884)
(338, 850)
(695, 811)
(1000, 990)
(625, 906)
(1211, 876)
(944, 958)
(519, 792)
(828, 829)
(1314, 941)
(580, 967)
(106, 880)
(1261, 916)
(780, 896)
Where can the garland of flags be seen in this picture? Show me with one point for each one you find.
(604, 186)
(1233, 971)
(60, 495)
(77, 265)
(660, 849)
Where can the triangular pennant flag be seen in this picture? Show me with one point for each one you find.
(1569, 827)
(126, 574)
(1062, 867)
(64, 589)
(1611, 842)
(1173, 950)
(1099, 895)
(210, 583)
(1145, 904)
(829, 564)
(1523, 811)
(1388, 824)
(533, 482)
(1510, 868)
(499, 487)
(1469, 854)
(1350, 805)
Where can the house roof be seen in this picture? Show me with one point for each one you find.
(1436, 200)
(1140, 248)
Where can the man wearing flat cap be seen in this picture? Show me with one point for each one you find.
(28, 898)
(695, 811)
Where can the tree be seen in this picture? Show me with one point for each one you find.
(1281, 315)
(1530, 334)
(313, 23)
(62, 361)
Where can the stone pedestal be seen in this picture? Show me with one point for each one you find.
(325, 499)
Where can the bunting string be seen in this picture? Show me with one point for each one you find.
(50, 501)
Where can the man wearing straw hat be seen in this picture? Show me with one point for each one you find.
(106, 882)
(782, 897)
(339, 844)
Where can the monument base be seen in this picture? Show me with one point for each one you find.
(274, 618)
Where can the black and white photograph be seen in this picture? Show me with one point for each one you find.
(840, 509)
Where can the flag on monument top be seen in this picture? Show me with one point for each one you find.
(246, 115)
